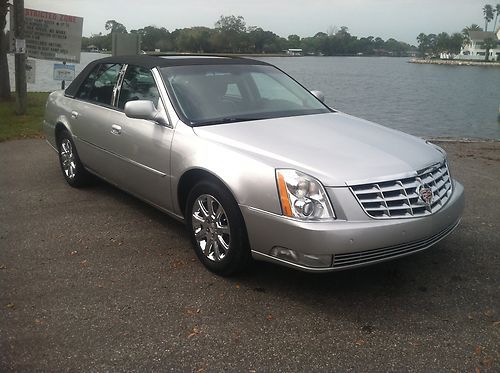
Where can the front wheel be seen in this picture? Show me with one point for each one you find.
(217, 229)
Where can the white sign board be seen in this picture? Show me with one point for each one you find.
(20, 46)
(53, 36)
(30, 71)
(64, 72)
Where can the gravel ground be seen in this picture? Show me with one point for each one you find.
(95, 280)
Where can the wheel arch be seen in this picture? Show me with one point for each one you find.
(192, 177)
(59, 129)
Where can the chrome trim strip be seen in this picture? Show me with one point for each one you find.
(366, 257)
(140, 165)
(404, 175)
(52, 146)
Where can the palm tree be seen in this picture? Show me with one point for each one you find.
(466, 32)
(488, 44)
(488, 15)
(497, 11)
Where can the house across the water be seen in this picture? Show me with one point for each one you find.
(474, 50)
(294, 52)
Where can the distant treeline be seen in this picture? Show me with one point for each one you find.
(231, 35)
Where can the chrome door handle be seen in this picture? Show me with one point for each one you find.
(116, 129)
(74, 114)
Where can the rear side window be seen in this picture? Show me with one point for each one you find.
(98, 86)
(138, 84)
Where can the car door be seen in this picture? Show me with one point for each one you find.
(143, 146)
(92, 119)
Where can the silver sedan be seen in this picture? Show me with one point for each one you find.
(256, 165)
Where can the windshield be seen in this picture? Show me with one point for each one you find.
(211, 94)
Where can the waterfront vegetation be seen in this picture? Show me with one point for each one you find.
(231, 35)
(14, 126)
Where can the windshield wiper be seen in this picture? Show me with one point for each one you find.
(226, 120)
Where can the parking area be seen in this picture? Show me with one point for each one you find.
(95, 280)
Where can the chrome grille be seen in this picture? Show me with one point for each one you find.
(400, 199)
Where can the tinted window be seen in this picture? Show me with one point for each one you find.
(138, 84)
(211, 94)
(98, 86)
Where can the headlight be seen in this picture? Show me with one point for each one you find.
(302, 196)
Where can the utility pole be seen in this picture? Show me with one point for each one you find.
(20, 58)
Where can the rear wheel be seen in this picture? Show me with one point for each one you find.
(71, 166)
(217, 229)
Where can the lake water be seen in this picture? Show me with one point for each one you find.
(424, 100)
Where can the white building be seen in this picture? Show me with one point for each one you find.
(474, 49)
(294, 52)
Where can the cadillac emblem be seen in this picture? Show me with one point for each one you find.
(425, 194)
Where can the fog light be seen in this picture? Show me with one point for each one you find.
(285, 254)
(307, 260)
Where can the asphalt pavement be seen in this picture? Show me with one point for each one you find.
(96, 280)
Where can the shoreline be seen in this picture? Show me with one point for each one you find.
(454, 62)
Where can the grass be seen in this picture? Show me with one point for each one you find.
(14, 126)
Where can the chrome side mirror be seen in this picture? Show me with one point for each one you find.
(143, 109)
(319, 95)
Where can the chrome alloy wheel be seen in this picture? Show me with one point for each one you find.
(68, 159)
(211, 227)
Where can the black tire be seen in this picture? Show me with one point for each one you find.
(237, 257)
(72, 168)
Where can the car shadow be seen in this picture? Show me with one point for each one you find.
(406, 280)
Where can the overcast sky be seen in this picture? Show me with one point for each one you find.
(401, 19)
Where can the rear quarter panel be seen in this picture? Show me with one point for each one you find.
(57, 110)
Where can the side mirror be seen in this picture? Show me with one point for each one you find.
(143, 109)
(319, 95)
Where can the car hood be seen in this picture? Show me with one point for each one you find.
(336, 148)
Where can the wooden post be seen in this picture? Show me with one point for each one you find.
(20, 58)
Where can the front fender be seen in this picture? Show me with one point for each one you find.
(252, 182)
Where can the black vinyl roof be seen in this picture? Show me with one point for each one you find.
(148, 62)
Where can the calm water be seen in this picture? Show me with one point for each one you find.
(424, 100)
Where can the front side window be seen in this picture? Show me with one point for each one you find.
(212, 94)
(98, 86)
(138, 84)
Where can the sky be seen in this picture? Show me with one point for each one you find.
(400, 19)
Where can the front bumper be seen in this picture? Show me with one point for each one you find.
(349, 243)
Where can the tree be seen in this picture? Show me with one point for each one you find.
(455, 43)
(230, 34)
(154, 38)
(4, 46)
(497, 12)
(466, 32)
(488, 44)
(423, 43)
(234, 24)
(488, 15)
(113, 26)
(294, 41)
